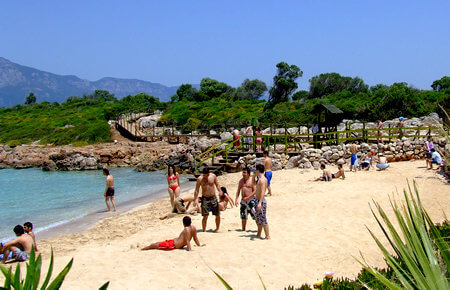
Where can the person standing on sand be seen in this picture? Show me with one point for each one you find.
(207, 181)
(248, 201)
(109, 191)
(173, 179)
(184, 239)
(268, 166)
(354, 157)
(260, 189)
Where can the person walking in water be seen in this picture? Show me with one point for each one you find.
(173, 179)
(109, 191)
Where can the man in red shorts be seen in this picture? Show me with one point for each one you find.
(184, 239)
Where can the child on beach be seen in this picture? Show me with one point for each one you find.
(184, 239)
(28, 228)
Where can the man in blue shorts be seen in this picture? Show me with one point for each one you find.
(354, 158)
(268, 167)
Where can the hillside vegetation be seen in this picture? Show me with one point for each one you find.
(83, 120)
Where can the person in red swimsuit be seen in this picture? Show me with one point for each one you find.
(173, 179)
(184, 239)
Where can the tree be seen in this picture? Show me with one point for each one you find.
(442, 84)
(31, 99)
(185, 92)
(283, 83)
(250, 90)
(330, 83)
(210, 89)
(300, 95)
(101, 95)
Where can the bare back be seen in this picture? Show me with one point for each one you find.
(24, 242)
(268, 164)
(109, 181)
(353, 148)
(185, 237)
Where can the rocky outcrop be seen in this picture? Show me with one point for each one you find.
(402, 150)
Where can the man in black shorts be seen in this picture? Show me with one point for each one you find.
(207, 181)
(109, 191)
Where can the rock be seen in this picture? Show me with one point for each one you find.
(225, 135)
(307, 164)
(341, 161)
(316, 165)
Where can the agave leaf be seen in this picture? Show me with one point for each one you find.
(49, 272)
(16, 279)
(56, 284)
(262, 282)
(8, 276)
(30, 270)
(104, 286)
(37, 273)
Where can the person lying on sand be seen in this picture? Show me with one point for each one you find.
(184, 239)
(326, 175)
(20, 247)
(340, 172)
(382, 163)
(181, 206)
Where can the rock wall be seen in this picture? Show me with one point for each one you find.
(402, 150)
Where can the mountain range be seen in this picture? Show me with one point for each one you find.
(17, 81)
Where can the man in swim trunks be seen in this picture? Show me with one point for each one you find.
(260, 189)
(207, 181)
(354, 158)
(20, 247)
(184, 239)
(268, 166)
(248, 201)
(326, 174)
(340, 172)
(109, 191)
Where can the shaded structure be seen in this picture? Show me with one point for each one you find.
(328, 118)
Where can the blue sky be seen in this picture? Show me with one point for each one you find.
(174, 42)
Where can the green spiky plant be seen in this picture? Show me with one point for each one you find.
(33, 274)
(422, 256)
(31, 281)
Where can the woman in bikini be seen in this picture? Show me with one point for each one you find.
(173, 179)
(224, 199)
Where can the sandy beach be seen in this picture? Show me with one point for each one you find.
(315, 227)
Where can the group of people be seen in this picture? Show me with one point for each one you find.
(250, 195)
(19, 249)
(431, 155)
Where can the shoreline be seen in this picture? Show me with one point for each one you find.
(86, 222)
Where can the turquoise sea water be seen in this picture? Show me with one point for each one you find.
(49, 199)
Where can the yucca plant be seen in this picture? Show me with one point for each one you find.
(33, 275)
(422, 256)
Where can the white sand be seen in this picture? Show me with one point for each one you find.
(315, 227)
